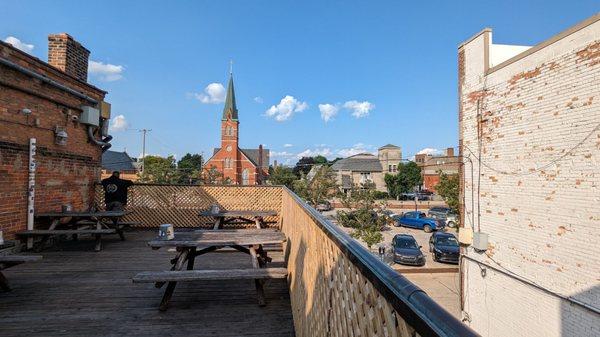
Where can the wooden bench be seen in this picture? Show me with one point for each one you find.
(7, 261)
(218, 274)
(51, 232)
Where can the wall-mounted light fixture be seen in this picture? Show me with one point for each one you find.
(60, 136)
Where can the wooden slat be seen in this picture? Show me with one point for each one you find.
(19, 258)
(99, 214)
(41, 232)
(203, 238)
(224, 214)
(217, 274)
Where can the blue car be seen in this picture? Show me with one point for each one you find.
(407, 251)
(419, 220)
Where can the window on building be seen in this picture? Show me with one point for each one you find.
(365, 177)
(245, 177)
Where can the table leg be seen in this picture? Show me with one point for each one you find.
(164, 303)
(258, 283)
(40, 245)
(191, 259)
(98, 246)
(258, 222)
(4, 283)
(118, 229)
(218, 223)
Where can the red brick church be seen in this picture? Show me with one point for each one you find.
(237, 166)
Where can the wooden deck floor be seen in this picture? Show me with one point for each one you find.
(75, 291)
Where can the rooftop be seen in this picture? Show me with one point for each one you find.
(362, 162)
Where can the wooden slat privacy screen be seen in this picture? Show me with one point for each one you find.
(153, 205)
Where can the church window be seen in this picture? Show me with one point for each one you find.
(245, 177)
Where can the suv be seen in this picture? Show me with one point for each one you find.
(444, 247)
(444, 213)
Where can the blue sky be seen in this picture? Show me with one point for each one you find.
(387, 67)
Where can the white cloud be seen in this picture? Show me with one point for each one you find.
(325, 152)
(431, 151)
(105, 71)
(356, 149)
(214, 93)
(283, 154)
(288, 145)
(258, 99)
(286, 108)
(118, 123)
(359, 109)
(28, 48)
(328, 111)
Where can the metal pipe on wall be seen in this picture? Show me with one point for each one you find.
(31, 189)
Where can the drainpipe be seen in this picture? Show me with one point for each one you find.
(31, 190)
(104, 143)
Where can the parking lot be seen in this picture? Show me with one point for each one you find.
(439, 280)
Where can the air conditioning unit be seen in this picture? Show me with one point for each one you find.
(89, 116)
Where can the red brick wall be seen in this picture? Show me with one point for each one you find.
(430, 181)
(240, 164)
(65, 174)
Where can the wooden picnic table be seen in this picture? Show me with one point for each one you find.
(189, 245)
(225, 217)
(96, 223)
(7, 261)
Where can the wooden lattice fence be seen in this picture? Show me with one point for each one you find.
(152, 205)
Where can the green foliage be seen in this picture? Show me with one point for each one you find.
(448, 188)
(378, 195)
(362, 218)
(189, 168)
(320, 188)
(212, 176)
(159, 170)
(282, 175)
(405, 180)
(303, 166)
(320, 160)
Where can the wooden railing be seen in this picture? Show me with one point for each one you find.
(337, 287)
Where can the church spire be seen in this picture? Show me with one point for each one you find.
(230, 110)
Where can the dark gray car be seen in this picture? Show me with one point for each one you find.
(407, 251)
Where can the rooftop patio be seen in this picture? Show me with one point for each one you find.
(334, 286)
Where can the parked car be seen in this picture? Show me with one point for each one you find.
(411, 196)
(419, 220)
(444, 213)
(444, 247)
(407, 251)
(323, 206)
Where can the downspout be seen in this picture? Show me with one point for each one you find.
(104, 143)
(31, 190)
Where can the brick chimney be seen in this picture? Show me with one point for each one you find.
(68, 55)
(260, 164)
(450, 152)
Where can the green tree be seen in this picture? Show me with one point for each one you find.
(320, 188)
(160, 170)
(212, 176)
(303, 166)
(282, 175)
(189, 168)
(365, 222)
(405, 180)
(448, 189)
(320, 160)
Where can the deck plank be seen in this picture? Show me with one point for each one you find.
(77, 292)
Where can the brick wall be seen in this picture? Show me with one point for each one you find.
(533, 121)
(68, 55)
(65, 174)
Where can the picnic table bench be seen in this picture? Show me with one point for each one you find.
(189, 245)
(95, 223)
(227, 217)
(7, 261)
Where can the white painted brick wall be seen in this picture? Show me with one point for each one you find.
(543, 222)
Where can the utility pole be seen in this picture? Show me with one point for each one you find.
(143, 131)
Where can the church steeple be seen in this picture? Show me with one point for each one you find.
(230, 110)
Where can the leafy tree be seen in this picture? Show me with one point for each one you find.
(320, 160)
(159, 170)
(189, 168)
(212, 176)
(303, 166)
(362, 218)
(282, 175)
(448, 188)
(320, 188)
(405, 180)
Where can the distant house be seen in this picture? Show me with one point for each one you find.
(367, 168)
(432, 165)
(119, 161)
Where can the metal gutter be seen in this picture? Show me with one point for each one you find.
(47, 80)
(419, 310)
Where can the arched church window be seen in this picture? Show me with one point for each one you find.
(245, 177)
